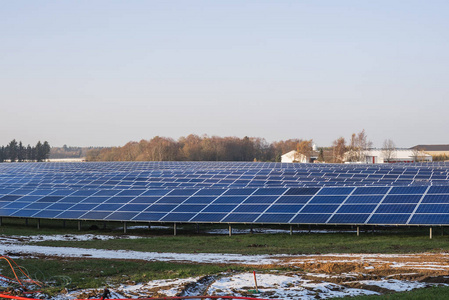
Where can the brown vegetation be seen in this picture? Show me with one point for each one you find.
(196, 148)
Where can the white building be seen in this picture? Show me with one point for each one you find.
(294, 157)
(379, 156)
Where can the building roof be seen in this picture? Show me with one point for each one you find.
(431, 147)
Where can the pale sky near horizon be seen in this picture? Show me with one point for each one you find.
(102, 73)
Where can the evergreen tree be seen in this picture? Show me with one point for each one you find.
(13, 150)
(33, 155)
(39, 151)
(2, 154)
(20, 152)
(46, 150)
(29, 155)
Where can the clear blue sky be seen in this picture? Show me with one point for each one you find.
(103, 73)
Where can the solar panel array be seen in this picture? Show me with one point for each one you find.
(227, 192)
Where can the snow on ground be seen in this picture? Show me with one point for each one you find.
(61, 237)
(281, 287)
(211, 258)
(395, 285)
(277, 286)
(317, 284)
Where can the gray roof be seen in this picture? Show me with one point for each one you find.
(432, 147)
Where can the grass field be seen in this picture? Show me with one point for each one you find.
(383, 240)
(90, 273)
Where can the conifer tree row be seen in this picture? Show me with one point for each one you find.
(18, 152)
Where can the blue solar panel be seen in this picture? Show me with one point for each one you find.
(122, 190)
(240, 218)
(146, 216)
(311, 218)
(278, 218)
(208, 217)
(260, 199)
(203, 199)
(302, 191)
(189, 208)
(408, 190)
(293, 199)
(219, 208)
(402, 199)
(348, 219)
(289, 208)
(370, 191)
(328, 199)
(436, 199)
(356, 209)
(336, 191)
(250, 208)
(121, 216)
(178, 217)
(319, 208)
(433, 208)
(430, 219)
(395, 208)
(439, 189)
(389, 219)
(363, 199)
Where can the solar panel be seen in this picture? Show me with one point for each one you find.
(228, 192)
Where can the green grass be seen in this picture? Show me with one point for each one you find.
(384, 240)
(272, 243)
(419, 294)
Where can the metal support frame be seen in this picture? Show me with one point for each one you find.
(358, 230)
(430, 233)
(149, 225)
(230, 230)
(125, 227)
(38, 223)
(79, 225)
(174, 228)
(291, 230)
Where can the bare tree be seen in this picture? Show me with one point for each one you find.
(418, 155)
(389, 150)
(338, 150)
(358, 147)
(305, 148)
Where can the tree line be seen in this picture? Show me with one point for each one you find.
(214, 148)
(16, 151)
(196, 148)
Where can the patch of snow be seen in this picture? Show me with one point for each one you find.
(148, 256)
(61, 237)
(395, 285)
(281, 287)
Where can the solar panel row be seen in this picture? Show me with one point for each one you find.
(138, 175)
(418, 205)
